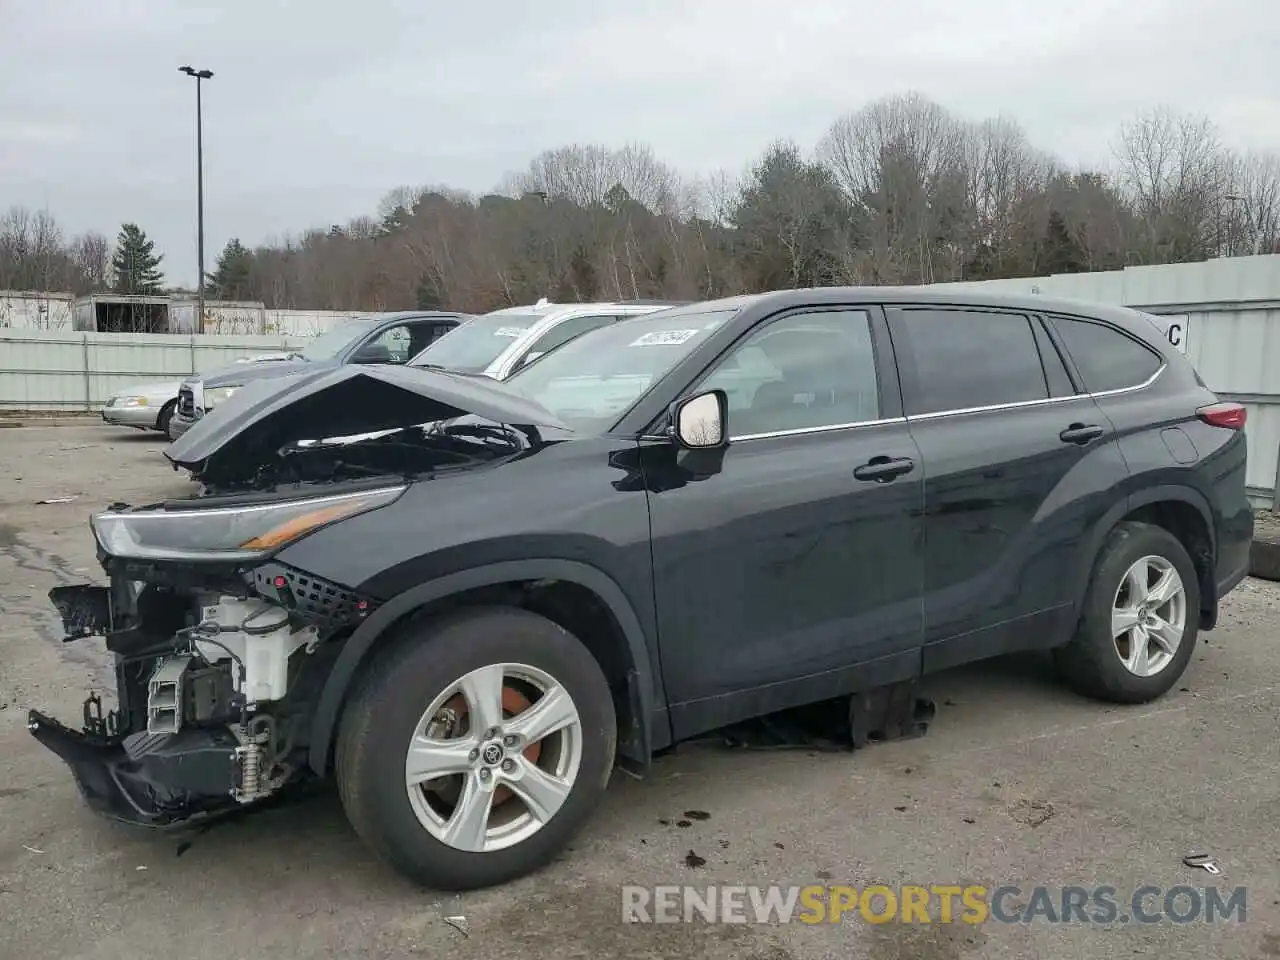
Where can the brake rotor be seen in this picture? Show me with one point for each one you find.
(513, 703)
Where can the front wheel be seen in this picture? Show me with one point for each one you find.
(166, 415)
(475, 746)
(1140, 618)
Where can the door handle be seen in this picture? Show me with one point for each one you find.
(1081, 433)
(884, 469)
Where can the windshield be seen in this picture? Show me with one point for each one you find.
(331, 343)
(589, 381)
(472, 346)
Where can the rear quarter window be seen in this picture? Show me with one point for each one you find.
(1106, 358)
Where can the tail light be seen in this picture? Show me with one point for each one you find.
(1228, 415)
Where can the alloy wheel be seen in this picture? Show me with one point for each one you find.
(1149, 616)
(494, 757)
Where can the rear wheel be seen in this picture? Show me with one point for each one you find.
(475, 747)
(166, 415)
(1140, 618)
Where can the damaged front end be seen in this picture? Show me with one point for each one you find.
(219, 653)
(221, 650)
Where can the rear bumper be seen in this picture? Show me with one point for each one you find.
(1235, 540)
(151, 781)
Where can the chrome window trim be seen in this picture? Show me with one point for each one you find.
(801, 431)
(1164, 365)
(1039, 403)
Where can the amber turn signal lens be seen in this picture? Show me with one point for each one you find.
(292, 529)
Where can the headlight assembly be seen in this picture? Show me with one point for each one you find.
(227, 533)
(218, 395)
(130, 402)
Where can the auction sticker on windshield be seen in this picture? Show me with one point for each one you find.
(664, 338)
(511, 332)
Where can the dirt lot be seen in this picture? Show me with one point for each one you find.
(1017, 782)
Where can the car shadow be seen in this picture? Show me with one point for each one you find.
(307, 828)
(139, 436)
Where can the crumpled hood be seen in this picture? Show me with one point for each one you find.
(263, 418)
(241, 373)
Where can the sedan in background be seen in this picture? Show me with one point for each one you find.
(144, 406)
(393, 338)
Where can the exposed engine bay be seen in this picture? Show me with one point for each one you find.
(214, 690)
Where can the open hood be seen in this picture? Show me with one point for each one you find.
(266, 419)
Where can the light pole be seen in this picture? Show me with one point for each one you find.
(199, 75)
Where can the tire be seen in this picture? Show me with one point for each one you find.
(1093, 661)
(386, 710)
(166, 414)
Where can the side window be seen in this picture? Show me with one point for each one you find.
(1106, 358)
(562, 333)
(389, 346)
(803, 371)
(968, 358)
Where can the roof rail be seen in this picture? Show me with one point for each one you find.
(643, 302)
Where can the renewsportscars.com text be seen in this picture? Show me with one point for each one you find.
(935, 903)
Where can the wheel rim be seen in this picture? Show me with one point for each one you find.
(494, 757)
(1149, 616)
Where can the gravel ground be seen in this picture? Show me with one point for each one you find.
(1016, 782)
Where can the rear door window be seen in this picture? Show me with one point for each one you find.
(962, 359)
(1106, 358)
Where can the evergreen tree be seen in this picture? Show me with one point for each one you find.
(429, 296)
(135, 266)
(232, 279)
(1059, 250)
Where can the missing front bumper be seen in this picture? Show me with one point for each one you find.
(153, 781)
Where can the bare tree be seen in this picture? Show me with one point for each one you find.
(1176, 173)
(900, 191)
(902, 159)
(1256, 224)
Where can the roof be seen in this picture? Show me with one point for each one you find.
(410, 314)
(935, 294)
(545, 308)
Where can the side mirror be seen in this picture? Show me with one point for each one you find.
(700, 422)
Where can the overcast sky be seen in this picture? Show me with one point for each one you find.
(319, 107)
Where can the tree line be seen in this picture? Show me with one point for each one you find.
(899, 191)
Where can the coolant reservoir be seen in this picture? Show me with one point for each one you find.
(259, 635)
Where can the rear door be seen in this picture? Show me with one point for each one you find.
(793, 573)
(1019, 464)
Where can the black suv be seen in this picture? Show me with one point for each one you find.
(466, 599)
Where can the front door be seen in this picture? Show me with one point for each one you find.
(794, 573)
(1004, 436)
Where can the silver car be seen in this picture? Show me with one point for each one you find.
(144, 406)
(499, 343)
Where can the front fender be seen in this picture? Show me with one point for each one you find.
(649, 701)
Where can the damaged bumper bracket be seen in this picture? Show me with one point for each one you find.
(85, 610)
(160, 782)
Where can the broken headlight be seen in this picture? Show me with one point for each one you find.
(236, 533)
